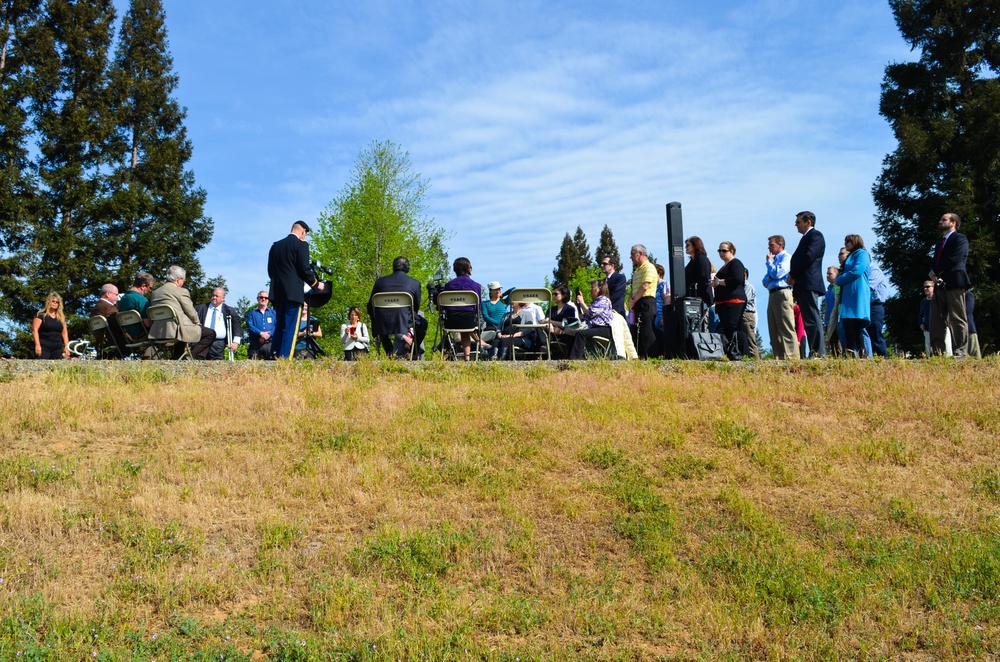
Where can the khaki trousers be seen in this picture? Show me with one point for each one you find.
(781, 325)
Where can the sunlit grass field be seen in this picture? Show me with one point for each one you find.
(609, 511)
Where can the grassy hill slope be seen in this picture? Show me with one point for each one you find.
(605, 511)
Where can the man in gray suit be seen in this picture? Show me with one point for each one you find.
(190, 331)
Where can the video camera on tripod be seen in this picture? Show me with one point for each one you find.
(434, 287)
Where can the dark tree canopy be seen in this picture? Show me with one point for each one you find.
(93, 186)
(608, 248)
(944, 110)
(574, 253)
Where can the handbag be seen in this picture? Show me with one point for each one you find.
(706, 346)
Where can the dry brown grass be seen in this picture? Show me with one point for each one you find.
(608, 511)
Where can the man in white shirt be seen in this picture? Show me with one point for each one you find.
(222, 319)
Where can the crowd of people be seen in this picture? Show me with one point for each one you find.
(806, 316)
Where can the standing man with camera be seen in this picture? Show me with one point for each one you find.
(951, 280)
(291, 274)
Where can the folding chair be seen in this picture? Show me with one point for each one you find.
(104, 342)
(524, 296)
(394, 301)
(127, 318)
(457, 299)
(164, 346)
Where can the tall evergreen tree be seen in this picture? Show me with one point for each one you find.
(574, 253)
(69, 106)
(581, 247)
(944, 110)
(153, 216)
(608, 248)
(18, 193)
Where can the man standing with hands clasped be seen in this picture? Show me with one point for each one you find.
(951, 280)
(805, 275)
(290, 272)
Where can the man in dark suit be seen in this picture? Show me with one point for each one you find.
(107, 307)
(805, 275)
(402, 323)
(617, 283)
(948, 305)
(290, 271)
(222, 319)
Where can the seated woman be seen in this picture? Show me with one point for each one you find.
(595, 320)
(464, 316)
(309, 328)
(561, 312)
(49, 330)
(526, 339)
(354, 335)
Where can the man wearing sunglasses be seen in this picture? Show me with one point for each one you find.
(617, 284)
(260, 326)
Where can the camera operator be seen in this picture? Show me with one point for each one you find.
(397, 328)
(290, 272)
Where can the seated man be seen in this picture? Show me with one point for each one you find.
(395, 328)
(107, 307)
(260, 328)
(189, 330)
(222, 319)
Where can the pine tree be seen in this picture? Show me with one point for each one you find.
(153, 217)
(581, 247)
(574, 253)
(18, 192)
(69, 103)
(943, 110)
(608, 248)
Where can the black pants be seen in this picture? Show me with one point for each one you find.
(645, 314)
(731, 323)
(583, 335)
(854, 341)
(200, 349)
(813, 321)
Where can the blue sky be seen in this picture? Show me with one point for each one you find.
(530, 118)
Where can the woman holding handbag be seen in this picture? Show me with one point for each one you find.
(354, 335)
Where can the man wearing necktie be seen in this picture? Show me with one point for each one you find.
(214, 315)
(952, 280)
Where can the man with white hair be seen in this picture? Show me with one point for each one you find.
(189, 330)
(221, 318)
(643, 300)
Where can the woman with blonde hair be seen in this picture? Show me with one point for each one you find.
(48, 328)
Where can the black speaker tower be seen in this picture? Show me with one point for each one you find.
(675, 244)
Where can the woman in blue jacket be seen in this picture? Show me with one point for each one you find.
(855, 295)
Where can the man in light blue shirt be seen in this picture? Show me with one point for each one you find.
(780, 314)
(880, 292)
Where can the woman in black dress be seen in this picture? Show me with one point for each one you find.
(731, 301)
(698, 274)
(49, 330)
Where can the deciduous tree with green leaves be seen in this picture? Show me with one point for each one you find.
(944, 110)
(379, 215)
